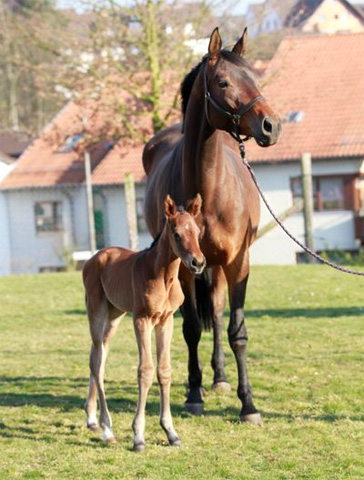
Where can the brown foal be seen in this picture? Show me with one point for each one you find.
(145, 284)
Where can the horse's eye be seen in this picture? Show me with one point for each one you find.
(223, 83)
(176, 235)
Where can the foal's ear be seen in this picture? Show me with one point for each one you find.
(194, 206)
(240, 46)
(169, 207)
(215, 44)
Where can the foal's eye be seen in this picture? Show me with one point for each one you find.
(223, 83)
(176, 235)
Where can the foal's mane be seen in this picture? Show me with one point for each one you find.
(188, 81)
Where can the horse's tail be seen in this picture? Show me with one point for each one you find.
(205, 310)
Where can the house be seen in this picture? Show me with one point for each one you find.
(325, 16)
(45, 195)
(316, 84)
(305, 16)
(268, 16)
(12, 144)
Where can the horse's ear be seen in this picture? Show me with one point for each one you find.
(169, 207)
(215, 44)
(194, 206)
(240, 46)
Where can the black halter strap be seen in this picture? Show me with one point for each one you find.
(235, 117)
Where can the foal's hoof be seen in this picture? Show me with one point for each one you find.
(110, 440)
(93, 427)
(108, 436)
(221, 387)
(176, 442)
(194, 408)
(139, 447)
(253, 418)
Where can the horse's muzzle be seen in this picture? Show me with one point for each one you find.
(271, 129)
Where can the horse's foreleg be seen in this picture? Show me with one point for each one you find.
(218, 301)
(192, 335)
(238, 336)
(143, 331)
(163, 342)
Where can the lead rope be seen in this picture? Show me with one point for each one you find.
(306, 249)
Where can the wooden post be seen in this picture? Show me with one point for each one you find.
(90, 203)
(129, 186)
(306, 171)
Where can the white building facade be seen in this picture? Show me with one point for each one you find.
(334, 225)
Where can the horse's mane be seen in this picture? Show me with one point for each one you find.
(188, 81)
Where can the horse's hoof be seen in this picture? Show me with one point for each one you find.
(194, 408)
(176, 443)
(253, 418)
(139, 447)
(203, 391)
(93, 427)
(221, 387)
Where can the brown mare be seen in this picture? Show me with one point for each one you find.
(220, 99)
(146, 284)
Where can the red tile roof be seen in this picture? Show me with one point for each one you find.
(322, 77)
(46, 162)
(117, 163)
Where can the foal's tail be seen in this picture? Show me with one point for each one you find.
(205, 310)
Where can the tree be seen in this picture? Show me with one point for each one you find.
(31, 34)
(142, 50)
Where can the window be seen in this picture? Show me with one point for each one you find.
(70, 143)
(48, 216)
(142, 226)
(328, 192)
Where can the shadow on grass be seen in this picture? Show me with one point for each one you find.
(121, 399)
(277, 312)
(40, 392)
(307, 312)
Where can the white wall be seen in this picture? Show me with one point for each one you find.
(332, 229)
(4, 237)
(4, 224)
(31, 250)
(117, 230)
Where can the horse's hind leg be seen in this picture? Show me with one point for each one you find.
(91, 402)
(102, 330)
(164, 372)
(218, 359)
(143, 332)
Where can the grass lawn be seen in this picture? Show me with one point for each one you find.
(306, 352)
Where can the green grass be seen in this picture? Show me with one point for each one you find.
(306, 352)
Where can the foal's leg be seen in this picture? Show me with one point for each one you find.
(192, 335)
(101, 331)
(91, 402)
(237, 276)
(163, 340)
(218, 300)
(143, 331)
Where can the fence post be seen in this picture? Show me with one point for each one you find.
(129, 186)
(90, 203)
(306, 171)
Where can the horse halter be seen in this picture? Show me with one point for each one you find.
(235, 117)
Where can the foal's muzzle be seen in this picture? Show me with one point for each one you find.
(197, 266)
